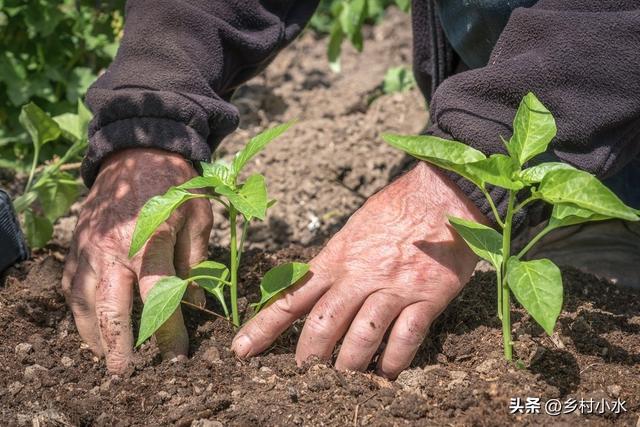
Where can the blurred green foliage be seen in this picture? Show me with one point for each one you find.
(343, 21)
(398, 79)
(50, 52)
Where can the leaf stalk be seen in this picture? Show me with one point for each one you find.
(506, 297)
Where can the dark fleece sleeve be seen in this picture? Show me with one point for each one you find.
(177, 67)
(581, 58)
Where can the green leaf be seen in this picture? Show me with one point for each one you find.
(334, 46)
(450, 155)
(210, 284)
(79, 81)
(69, 124)
(156, 211)
(434, 148)
(278, 279)
(56, 194)
(484, 241)
(251, 199)
(398, 79)
(219, 169)
(533, 129)
(38, 229)
(201, 182)
(498, 170)
(84, 117)
(564, 215)
(404, 5)
(39, 125)
(535, 174)
(161, 302)
(583, 190)
(257, 144)
(351, 19)
(24, 200)
(538, 287)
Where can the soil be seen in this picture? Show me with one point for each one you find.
(320, 172)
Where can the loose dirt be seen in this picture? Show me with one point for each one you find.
(321, 171)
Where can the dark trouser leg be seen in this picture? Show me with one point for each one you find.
(12, 245)
(626, 184)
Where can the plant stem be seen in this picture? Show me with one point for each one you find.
(197, 307)
(234, 266)
(506, 300)
(535, 240)
(499, 277)
(243, 237)
(524, 203)
(493, 207)
(36, 155)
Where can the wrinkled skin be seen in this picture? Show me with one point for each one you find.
(98, 280)
(394, 267)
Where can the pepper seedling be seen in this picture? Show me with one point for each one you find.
(245, 201)
(576, 196)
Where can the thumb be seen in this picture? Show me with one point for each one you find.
(156, 263)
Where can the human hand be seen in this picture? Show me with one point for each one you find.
(395, 266)
(99, 277)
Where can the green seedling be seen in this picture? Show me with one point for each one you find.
(576, 196)
(51, 189)
(344, 19)
(398, 79)
(244, 201)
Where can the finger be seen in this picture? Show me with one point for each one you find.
(70, 268)
(114, 298)
(328, 322)
(261, 331)
(157, 262)
(367, 331)
(405, 338)
(192, 246)
(81, 297)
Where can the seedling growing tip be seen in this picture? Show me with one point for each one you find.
(244, 201)
(576, 196)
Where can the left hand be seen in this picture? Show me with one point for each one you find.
(395, 266)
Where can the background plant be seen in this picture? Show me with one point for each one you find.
(576, 196)
(244, 201)
(343, 21)
(50, 52)
(398, 79)
(51, 189)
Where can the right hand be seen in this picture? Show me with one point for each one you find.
(99, 277)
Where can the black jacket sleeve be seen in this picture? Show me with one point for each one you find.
(177, 67)
(581, 58)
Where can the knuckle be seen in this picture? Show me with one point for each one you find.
(117, 362)
(79, 305)
(363, 337)
(260, 332)
(65, 285)
(318, 326)
(413, 333)
(285, 305)
(109, 311)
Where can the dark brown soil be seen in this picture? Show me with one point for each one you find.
(458, 377)
(320, 172)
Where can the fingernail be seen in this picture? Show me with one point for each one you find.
(241, 346)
